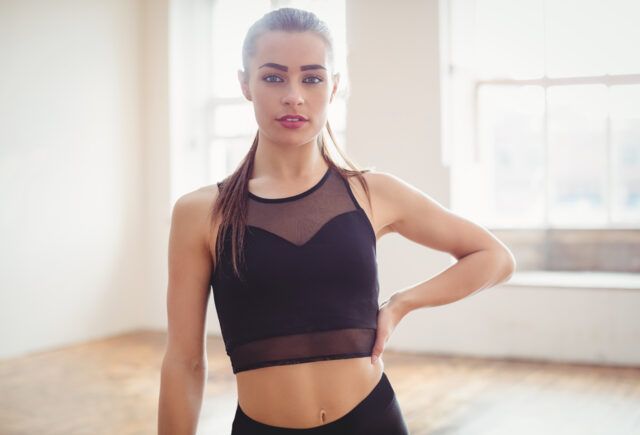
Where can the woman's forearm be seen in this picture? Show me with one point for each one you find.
(181, 392)
(470, 274)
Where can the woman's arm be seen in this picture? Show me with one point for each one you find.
(483, 260)
(184, 367)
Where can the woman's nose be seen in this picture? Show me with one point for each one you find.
(293, 96)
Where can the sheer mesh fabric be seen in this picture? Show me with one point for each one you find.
(298, 219)
(311, 285)
(310, 346)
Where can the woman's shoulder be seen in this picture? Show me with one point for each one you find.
(377, 181)
(197, 206)
(381, 183)
(201, 198)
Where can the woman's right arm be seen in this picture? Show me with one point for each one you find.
(184, 366)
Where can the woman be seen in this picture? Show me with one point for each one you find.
(287, 242)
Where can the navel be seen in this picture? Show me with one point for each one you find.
(323, 415)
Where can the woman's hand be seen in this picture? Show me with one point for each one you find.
(389, 315)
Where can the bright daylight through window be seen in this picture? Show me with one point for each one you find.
(544, 112)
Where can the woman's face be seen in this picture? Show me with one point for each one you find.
(289, 74)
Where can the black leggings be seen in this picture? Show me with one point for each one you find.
(378, 413)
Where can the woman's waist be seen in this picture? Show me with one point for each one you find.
(303, 390)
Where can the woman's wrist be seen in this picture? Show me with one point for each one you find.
(399, 304)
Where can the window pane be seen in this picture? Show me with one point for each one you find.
(231, 20)
(337, 114)
(461, 32)
(341, 137)
(230, 120)
(510, 135)
(225, 155)
(623, 37)
(625, 136)
(577, 155)
(510, 38)
(592, 37)
(333, 152)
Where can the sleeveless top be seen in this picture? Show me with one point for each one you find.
(310, 287)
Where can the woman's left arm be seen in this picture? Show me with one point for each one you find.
(483, 260)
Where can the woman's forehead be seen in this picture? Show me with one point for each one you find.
(291, 49)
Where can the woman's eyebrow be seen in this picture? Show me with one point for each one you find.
(285, 68)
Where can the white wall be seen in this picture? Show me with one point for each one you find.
(72, 175)
(395, 88)
(156, 89)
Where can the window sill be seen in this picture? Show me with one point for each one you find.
(575, 279)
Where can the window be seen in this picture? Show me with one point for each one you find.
(230, 121)
(543, 112)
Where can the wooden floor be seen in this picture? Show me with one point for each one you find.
(111, 387)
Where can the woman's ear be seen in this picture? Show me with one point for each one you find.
(244, 84)
(336, 82)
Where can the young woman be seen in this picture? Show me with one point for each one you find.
(287, 242)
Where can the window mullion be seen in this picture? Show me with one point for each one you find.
(545, 146)
(607, 80)
(609, 163)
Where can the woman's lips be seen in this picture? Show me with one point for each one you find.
(292, 124)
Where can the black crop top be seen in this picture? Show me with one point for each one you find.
(311, 280)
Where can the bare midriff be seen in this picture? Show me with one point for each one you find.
(308, 394)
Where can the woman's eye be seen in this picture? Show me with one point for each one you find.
(319, 80)
(275, 79)
(266, 79)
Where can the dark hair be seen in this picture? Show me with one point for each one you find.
(230, 206)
